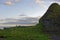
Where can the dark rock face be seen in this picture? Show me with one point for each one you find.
(51, 19)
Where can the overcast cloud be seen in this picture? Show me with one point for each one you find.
(24, 21)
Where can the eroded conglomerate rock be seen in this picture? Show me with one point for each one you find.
(51, 19)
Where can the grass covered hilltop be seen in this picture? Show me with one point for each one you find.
(33, 32)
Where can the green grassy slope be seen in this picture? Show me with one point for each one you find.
(24, 33)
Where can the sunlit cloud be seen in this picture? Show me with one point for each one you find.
(8, 3)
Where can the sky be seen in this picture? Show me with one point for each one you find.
(22, 12)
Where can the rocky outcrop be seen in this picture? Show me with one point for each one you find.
(51, 19)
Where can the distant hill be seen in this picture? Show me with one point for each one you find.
(51, 19)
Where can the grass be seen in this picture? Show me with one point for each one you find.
(24, 33)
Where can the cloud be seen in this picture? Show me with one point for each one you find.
(22, 15)
(7, 20)
(10, 2)
(22, 21)
(42, 2)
